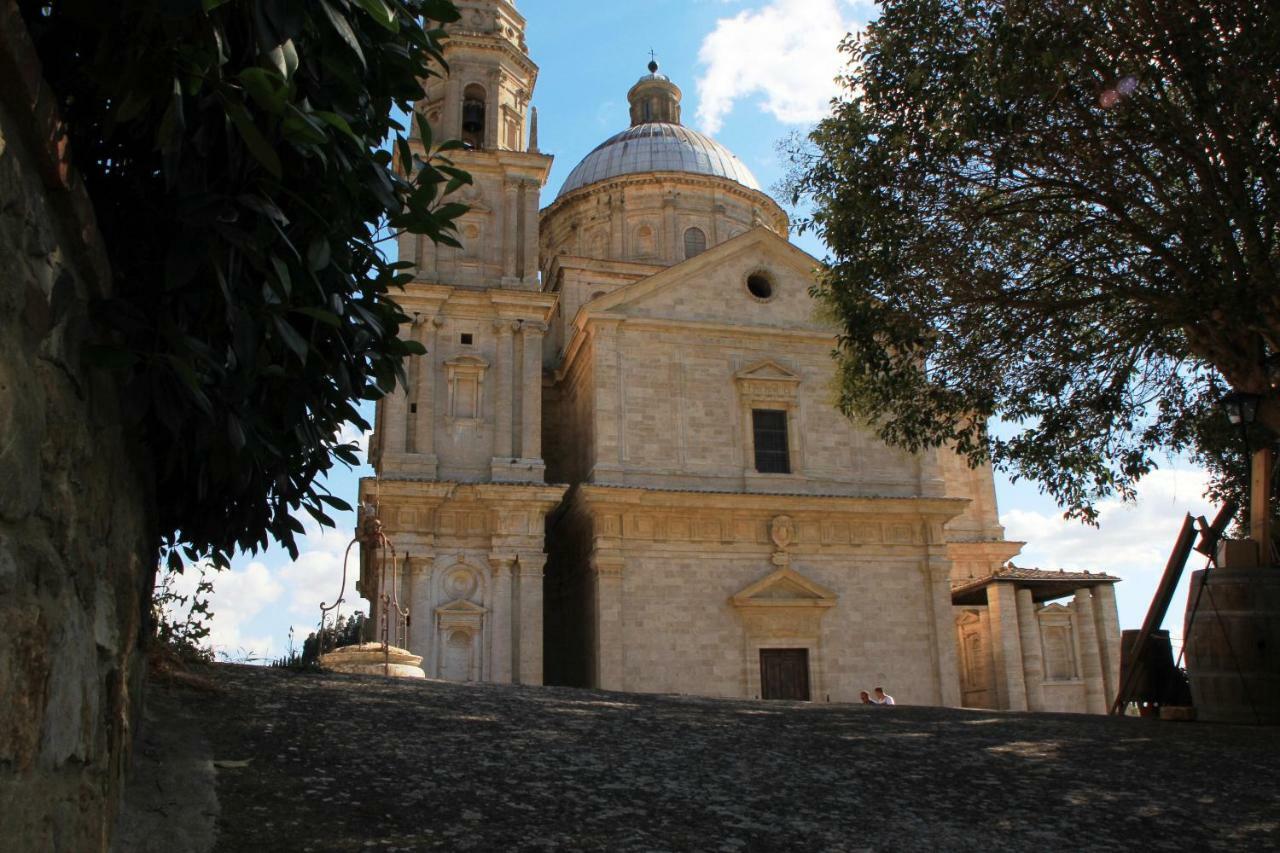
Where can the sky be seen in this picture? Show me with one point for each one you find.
(752, 72)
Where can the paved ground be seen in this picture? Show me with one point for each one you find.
(357, 763)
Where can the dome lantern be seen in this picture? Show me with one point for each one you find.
(654, 99)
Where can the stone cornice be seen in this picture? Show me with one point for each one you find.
(432, 300)
(770, 503)
(492, 43)
(823, 524)
(724, 185)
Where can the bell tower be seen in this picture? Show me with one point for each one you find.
(461, 482)
(484, 101)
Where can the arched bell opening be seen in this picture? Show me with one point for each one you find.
(473, 116)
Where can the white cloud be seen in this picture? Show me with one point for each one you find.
(785, 55)
(1132, 541)
(238, 597)
(1133, 537)
(253, 603)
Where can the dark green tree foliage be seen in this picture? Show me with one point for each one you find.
(1064, 214)
(235, 153)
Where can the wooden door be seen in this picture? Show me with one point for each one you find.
(784, 674)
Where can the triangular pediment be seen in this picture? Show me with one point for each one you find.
(1055, 608)
(785, 588)
(461, 607)
(768, 370)
(712, 288)
(465, 361)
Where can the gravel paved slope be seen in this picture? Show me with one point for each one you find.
(355, 763)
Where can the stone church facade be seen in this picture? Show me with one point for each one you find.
(619, 464)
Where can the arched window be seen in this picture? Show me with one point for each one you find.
(473, 116)
(695, 242)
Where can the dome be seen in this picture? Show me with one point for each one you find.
(658, 147)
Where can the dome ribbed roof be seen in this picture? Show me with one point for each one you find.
(658, 147)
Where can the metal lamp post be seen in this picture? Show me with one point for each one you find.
(1242, 411)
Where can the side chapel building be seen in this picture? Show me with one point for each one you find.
(619, 464)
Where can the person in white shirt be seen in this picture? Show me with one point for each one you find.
(882, 698)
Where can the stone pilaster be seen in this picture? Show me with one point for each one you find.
(418, 571)
(1007, 646)
(672, 248)
(1032, 654)
(529, 669)
(1106, 618)
(424, 434)
(1090, 659)
(505, 401)
(395, 426)
(937, 573)
(531, 417)
(503, 566)
(529, 233)
(607, 428)
(607, 630)
(510, 216)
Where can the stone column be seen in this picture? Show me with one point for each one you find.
(505, 400)
(530, 567)
(608, 656)
(531, 416)
(1106, 619)
(1032, 653)
(1090, 660)
(1007, 645)
(510, 213)
(503, 566)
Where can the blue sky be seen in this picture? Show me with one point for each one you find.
(752, 72)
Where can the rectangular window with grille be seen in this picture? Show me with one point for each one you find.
(769, 427)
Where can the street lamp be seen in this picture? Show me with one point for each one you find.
(1241, 408)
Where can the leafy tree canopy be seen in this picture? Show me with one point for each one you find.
(1062, 214)
(234, 152)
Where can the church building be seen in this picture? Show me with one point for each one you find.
(620, 464)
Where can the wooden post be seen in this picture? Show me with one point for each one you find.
(1260, 504)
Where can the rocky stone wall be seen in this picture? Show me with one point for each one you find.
(76, 538)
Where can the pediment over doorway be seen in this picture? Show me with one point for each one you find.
(768, 370)
(785, 588)
(461, 607)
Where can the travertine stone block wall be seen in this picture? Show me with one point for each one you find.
(638, 579)
(77, 540)
(663, 407)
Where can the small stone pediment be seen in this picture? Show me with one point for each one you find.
(785, 588)
(461, 607)
(1055, 608)
(768, 371)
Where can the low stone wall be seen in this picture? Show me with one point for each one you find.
(77, 541)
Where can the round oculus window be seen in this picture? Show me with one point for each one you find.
(760, 285)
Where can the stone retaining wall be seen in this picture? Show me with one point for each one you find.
(77, 540)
